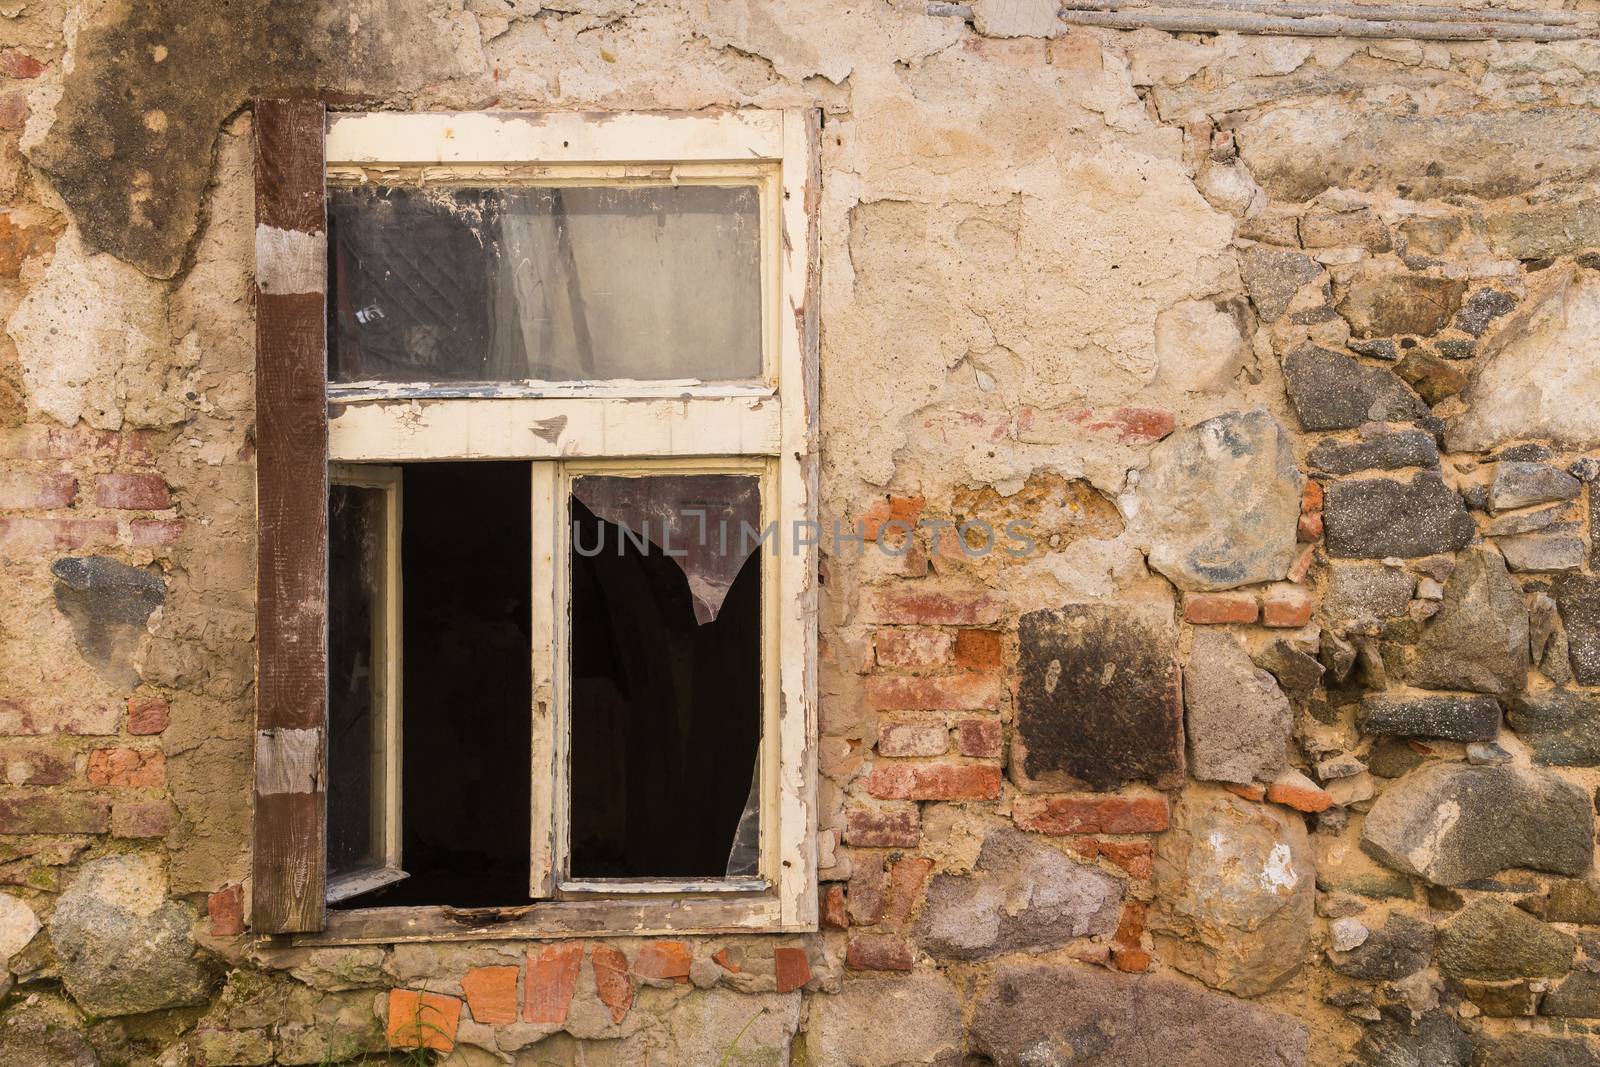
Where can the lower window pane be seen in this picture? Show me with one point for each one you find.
(356, 533)
(666, 646)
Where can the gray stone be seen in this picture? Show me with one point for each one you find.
(1538, 378)
(1490, 940)
(1585, 469)
(1239, 721)
(1543, 553)
(1533, 1050)
(1243, 457)
(1578, 600)
(42, 1030)
(1039, 1015)
(1453, 718)
(1400, 947)
(1273, 277)
(1366, 591)
(123, 948)
(1482, 308)
(1385, 305)
(1331, 391)
(926, 1024)
(1016, 18)
(1433, 1041)
(1577, 997)
(1487, 754)
(712, 1025)
(1562, 726)
(18, 924)
(1478, 641)
(1098, 698)
(1234, 891)
(1384, 451)
(1393, 758)
(1023, 895)
(1295, 670)
(1521, 485)
(1521, 522)
(1375, 518)
(1545, 230)
(107, 604)
(1348, 933)
(1452, 823)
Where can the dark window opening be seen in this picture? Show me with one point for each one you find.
(666, 679)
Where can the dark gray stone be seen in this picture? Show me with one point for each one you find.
(1562, 726)
(1527, 452)
(1521, 485)
(1098, 699)
(1244, 457)
(108, 604)
(1451, 348)
(1453, 718)
(1573, 900)
(1375, 518)
(1036, 1014)
(1578, 600)
(1391, 757)
(1273, 277)
(1238, 721)
(1386, 451)
(1375, 348)
(1331, 391)
(1482, 308)
(1434, 1041)
(1452, 823)
(1577, 997)
(1585, 468)
(971, 917)
(1386, 305)
(1532, 1050)
(1478, 640)
(1366, 591)
(1295, 670)
(1492, 941)
(1400, 947)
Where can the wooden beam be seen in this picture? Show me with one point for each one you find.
(289, 858)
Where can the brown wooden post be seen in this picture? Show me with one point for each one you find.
(290, 859)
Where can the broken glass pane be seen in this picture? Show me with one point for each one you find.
(355, 651)
(545, 283)
(666, 676)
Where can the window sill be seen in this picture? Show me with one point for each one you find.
(548, 920)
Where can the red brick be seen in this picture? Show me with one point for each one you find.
(54, 813)
(19, 533)
(934, 781)
(15, 63)
(870, 828)
(722, 959)
(491, 994)
(1138, 858)
(19, 243)
(865, 900)
(130, 767)
(909, 604)
(1293, 789)
(663, 959)
(13, 110)
(552, 976)
(422, 1020)
(36, 765)
(1132, 960)
(978, 648)
(1309, 528)
(792, 968)
(225, 909)
(830, 906)
(907, 876)
(878, 952)
(1092, 815)
(44, 491)
(1311, 496)
(980, 738)
(132, 492)
(1131, 425)
(913, 739)
(611, 980)
(913, 648)
(147, 715)
(950, 692)
(154, 533)
(23, 719)
(1130, 928)
(1302, 566)
(1252, 791)
(1287, 605)
(1217, 609)
(143, 818)
(898, 509)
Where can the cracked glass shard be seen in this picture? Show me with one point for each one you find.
(544, 283)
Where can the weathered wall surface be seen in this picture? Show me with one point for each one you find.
(1281, 748)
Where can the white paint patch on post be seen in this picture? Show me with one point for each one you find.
(288, 761)
(289, 262)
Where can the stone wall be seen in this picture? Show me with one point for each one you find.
(1279, 749)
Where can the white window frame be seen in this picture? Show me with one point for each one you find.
(624, 427)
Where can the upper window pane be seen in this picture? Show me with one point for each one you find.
(545, 283)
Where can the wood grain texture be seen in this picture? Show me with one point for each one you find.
(289, 859)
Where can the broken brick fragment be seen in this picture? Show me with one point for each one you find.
(611, 980)
(792, 968)
(225, 910)
(663, 959)
(422, 1020)
(552, 977)
(491, 994)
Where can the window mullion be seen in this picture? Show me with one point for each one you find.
(548, 759)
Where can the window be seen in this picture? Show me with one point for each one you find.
(536, 624)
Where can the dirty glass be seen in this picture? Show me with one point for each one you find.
(355, 646)
(544, 283)
(666, 676)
